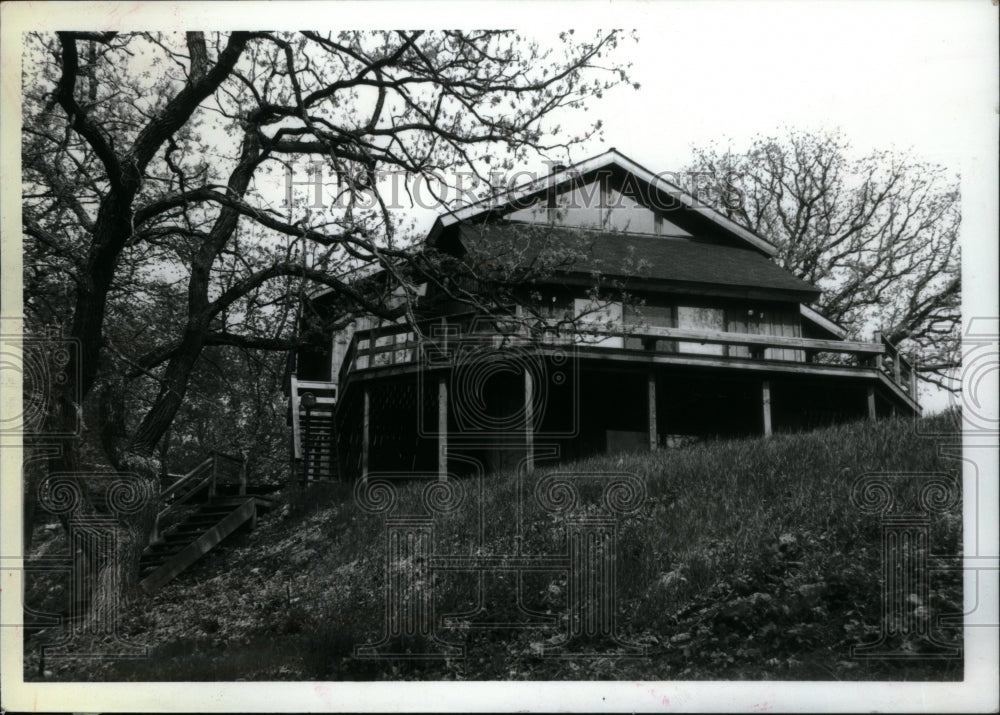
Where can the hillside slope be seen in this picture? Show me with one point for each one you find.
(747, 559)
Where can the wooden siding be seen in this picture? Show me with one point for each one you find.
(596, 205)
(781, 321)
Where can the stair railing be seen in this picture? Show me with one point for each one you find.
(322, 396)
(222, 466)
(205, 474)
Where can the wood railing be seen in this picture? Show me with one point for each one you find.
(401, 343)
(396, 344)
(893, 364)
(176, 563)
(216, 469)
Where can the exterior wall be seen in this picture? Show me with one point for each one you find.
(339, 344)
(600, 207)
(694, 313)
(766, 320)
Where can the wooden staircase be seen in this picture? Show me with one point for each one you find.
(201, 509)
(312, 406)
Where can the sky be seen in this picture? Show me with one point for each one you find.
(888, 75)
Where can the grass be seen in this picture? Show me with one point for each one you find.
(746, 559)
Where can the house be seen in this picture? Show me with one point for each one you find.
(655, 320)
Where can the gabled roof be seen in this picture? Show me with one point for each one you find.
(638, 257)
(688, 208)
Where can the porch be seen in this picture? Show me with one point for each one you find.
(463, 392)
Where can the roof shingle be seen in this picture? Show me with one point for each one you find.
(655, 258)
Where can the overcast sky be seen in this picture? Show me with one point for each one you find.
(887, 74)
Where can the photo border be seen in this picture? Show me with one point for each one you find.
(979, 230)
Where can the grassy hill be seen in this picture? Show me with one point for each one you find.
(746, 560)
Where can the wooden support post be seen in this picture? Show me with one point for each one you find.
(877, 339)
(766, 404)
(365, 430)
(913, 378)
(871, 402)
(296, 435)
(897, 369)
(529, 421)
(442, 428)
(653, 440)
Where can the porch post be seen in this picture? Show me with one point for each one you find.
(766, 405)
(442, 427)
(651, 379)
(871, 402)
(529, 421)
(365, 430)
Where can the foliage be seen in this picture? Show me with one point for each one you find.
(156, 231)
(877, 233)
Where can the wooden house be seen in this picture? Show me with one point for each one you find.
(693, 331)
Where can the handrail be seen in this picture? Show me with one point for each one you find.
(724, 338)
(220, 458)
(877, 353)
(296, 387)
(632, 330)
(317, 385)
(903, 372)
(186, 479)
(383, 331)
(205, 473)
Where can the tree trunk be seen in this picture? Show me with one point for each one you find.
(113, 554)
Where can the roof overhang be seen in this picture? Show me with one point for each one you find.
(823, 323)
(523, 195)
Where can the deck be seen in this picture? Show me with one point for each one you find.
(438, 351)
(399, 349)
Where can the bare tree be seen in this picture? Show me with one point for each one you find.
(878, 234)
(153, 166)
